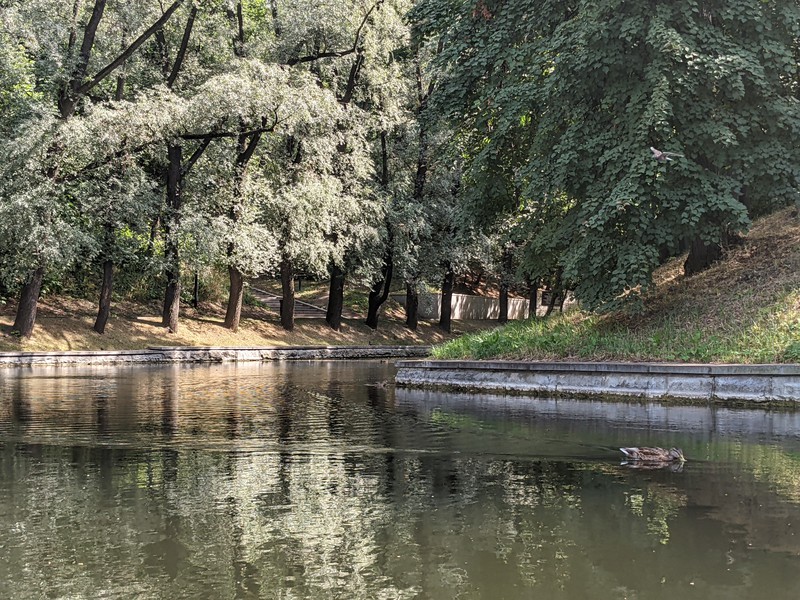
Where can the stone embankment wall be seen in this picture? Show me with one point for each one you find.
(174, 354)
(759, 383)
(467, 308)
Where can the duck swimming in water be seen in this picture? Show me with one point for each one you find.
(654, 455)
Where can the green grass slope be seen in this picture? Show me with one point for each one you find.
(744, 309)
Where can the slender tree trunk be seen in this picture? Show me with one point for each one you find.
(246, 148)
(28, 301)
(196, 291)
(412, 306)
(533, 298)
(503, 316)
(104, 310)
(287, 303)
(508, 264)
(172, 293)
(380, 291)
(333, 316)
(447, 299)
(235, 297)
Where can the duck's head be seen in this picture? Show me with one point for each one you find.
(676, 454)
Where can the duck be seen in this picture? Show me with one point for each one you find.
(654, 455)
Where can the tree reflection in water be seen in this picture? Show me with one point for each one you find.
(300, 481)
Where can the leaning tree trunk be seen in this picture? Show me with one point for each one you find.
(380, 291)
(28, 300)
(235, 297)
(412, 306)
(287, 303)
(333, 316)
(447, 299)
(104, 310)
(701, 256)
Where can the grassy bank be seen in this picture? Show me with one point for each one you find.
(745, 309)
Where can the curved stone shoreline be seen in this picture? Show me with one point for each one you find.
(693, 382)
(185, 354)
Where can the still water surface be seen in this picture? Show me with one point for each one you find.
(314, 480)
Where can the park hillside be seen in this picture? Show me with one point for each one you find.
(160, 160)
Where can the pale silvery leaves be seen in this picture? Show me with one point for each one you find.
(291, 100)
(35, 228)
(297, 214)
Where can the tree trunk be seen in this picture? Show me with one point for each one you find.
(287, 303)
(104, 310)
(508, 264)
(503, 316)
(235, 297)
(380, 291)
(333, 316)
(412, 306)
(28, 301)
(196, 291)
(551, 304)
(172, 293)
(172, 302)
(533, 298)
(701, 256)
(447, 299)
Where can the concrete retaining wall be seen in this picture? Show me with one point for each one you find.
(467, 308)
(759, 383)
(176, 354)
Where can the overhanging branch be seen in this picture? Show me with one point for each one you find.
(338, 53)
(110, 67)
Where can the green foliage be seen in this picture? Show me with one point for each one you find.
(558, 105)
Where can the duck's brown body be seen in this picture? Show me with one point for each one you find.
(654, 455)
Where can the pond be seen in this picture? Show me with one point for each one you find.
(319, 480)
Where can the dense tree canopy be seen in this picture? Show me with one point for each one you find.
(381, 140)
(558, 103)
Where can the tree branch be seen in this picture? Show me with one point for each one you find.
(352, 79)
(109, 68)
(68, 98)
(187, 33)
(195, 155)
(247, 151)
(338, 53)
(211, 135)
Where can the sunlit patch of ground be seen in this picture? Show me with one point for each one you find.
(66, 324)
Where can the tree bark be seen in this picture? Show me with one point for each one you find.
(412, 306)
(533, 298)
(447, 299)
(104, 310)
(503, 316)
(333, 316)
(701, 256)
(245, 148)
(235, 297)
(172, 294)
(287, 284)
(380, 291)
(28, 301)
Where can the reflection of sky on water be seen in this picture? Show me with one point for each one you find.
(300, 481)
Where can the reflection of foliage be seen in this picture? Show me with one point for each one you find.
(656, 506)
(454, 420)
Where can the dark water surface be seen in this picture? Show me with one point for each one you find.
(313, 480)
